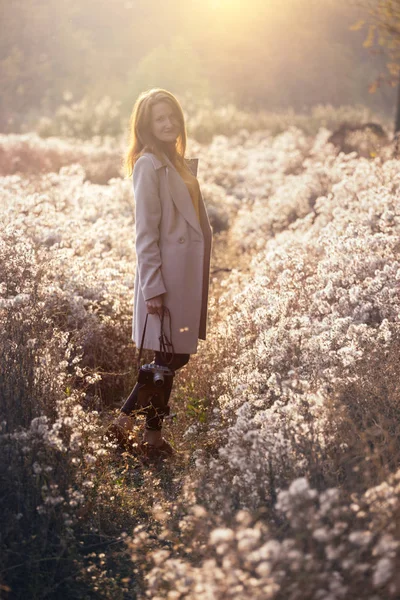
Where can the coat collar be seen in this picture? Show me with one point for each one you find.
(157, 164)
(178, 189)
(192, 163)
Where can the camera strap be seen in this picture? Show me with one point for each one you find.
(141, 343)
(166, 346)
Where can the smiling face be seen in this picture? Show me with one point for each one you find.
(164, 122)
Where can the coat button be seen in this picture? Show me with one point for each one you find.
(181, 240)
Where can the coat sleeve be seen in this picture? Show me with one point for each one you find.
(147, 221)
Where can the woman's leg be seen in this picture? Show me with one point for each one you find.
(152, 433)
(154, 421)
(178, 361)
(131, 402)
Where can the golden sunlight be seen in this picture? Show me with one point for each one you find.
(225, 5)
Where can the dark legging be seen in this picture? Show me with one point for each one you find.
(153, 420)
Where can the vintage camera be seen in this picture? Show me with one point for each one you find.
(152, 379)
(154, 374)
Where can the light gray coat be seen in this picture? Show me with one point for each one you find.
(173, 253)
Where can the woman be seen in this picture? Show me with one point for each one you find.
(173, 248)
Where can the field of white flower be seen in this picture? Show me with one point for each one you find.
(288, 423)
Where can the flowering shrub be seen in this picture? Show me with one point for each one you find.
(78, 290)
(287, 486)
(319, 307)
(53, 456)
(310, 344)
(30, 154)
(100, 118)
(206, 120)
(319, 545)
(83, 119)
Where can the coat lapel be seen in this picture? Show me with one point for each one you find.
(178, 189)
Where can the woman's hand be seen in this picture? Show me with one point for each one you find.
(155, 305)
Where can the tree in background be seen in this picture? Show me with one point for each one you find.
(258, 55)
(383, 30)
(173, 65)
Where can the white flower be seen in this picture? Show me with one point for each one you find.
(360, 538)
(382, 572)
(386, 545)
(264, 569)
(90, 459)
(247, 539)
(222, 534)
(300, 487)
(322, 534)
(270, 550)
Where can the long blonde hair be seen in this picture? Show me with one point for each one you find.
(141, 138)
